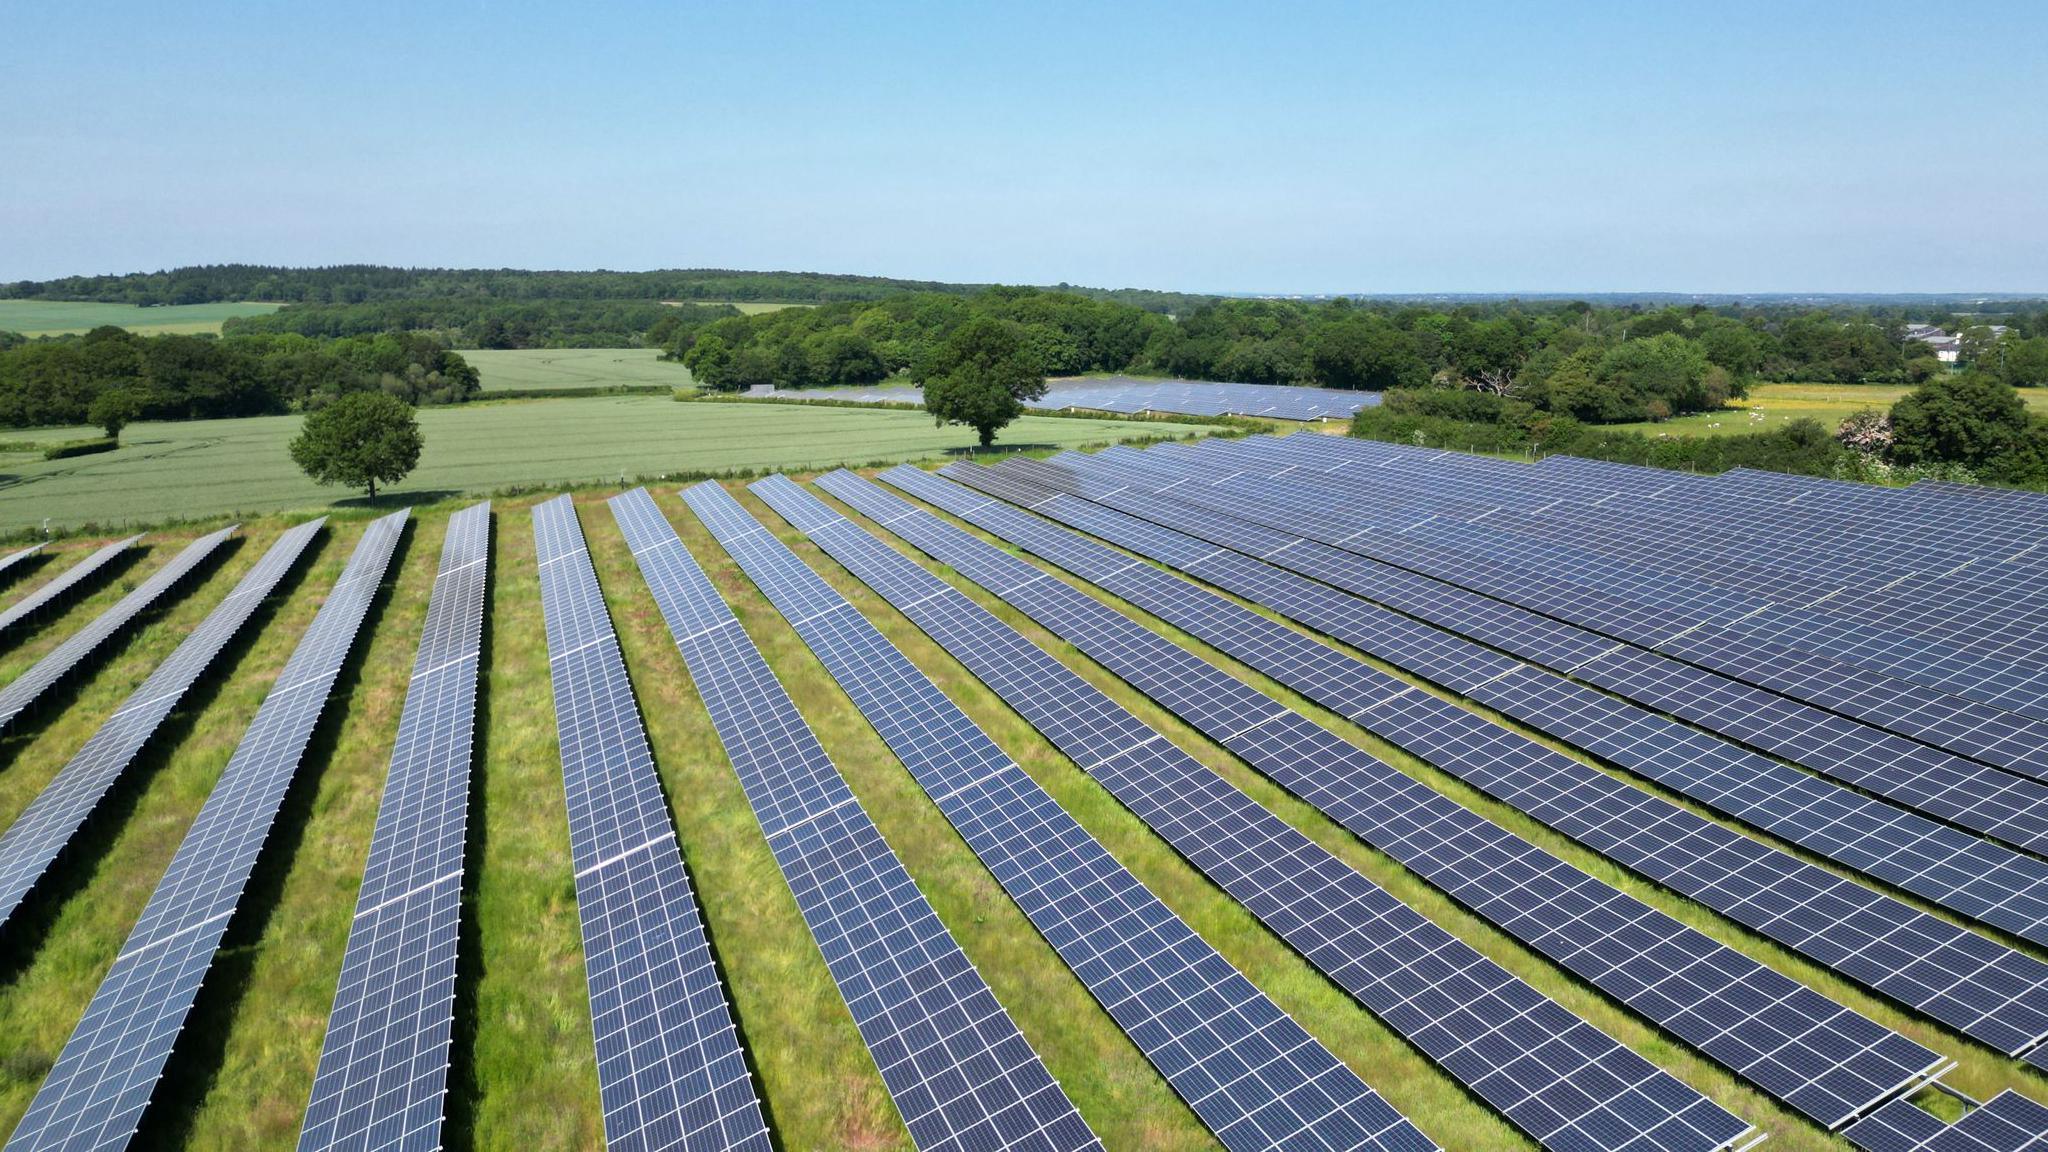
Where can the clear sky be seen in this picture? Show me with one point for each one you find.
(1300, 147)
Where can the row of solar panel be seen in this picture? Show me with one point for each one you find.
(1202, 398)
(1577, 1090)
(1977, 985)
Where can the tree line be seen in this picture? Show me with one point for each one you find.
(110, 376)
(486, 322)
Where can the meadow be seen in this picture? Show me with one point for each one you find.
(183, 470)
(525, 369)
(54, 317)
(523, 1070)
(1779, 404)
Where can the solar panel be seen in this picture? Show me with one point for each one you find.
(1972, 983)
(1800, 1047)
(96, 1093)
(1203, 398)
(59, 663)
(2008, 1122)
(8, 562)
(1254, 1076)
(56, 590)
(960, 1073)
(1560, 1079)
(42, 830)
(1965, 793)
(670, 1073)
(384, 1065)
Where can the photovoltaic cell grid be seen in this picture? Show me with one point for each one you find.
(56, 589)
(1392, 517)
(12, 558)
(1972, 983)
(1204, 398)
(42, 830)
(1927, 779)
(384, 1065)
(1800, 1047)
(95, 1094)
(24, 689)
(670, 1073)
(962, 1076)
(1560, 1079)
(2008, 1122)
(1254, 1076)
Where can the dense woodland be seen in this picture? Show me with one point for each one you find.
(484, 322)
(112, 376)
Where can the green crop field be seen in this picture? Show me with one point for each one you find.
(52, 317)
(1775, 405)
(747, 307)
(165, 471)
(523, 1062)
(518, 369)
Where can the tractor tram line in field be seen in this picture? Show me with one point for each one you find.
(1623, 991)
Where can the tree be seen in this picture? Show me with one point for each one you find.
(2026, 362)
(1970, 419)
(981, 377)
(114, 409)
(358, 440)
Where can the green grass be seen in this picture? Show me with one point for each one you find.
(220, 467)
(512, 369)
(53, 317)
(1779, 404)
(746, 307)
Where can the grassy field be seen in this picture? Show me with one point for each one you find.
(511, 369)
(523, 1073)
(1780, 404)
(52, 317)
(747, 307)
(218, 467)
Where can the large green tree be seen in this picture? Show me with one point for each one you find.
(981, 375)
(358, 440)
(1971, 419)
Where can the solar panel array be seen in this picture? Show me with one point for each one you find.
(1985, 881)
(59, 663)
(1560, 1079)
(1576, 543)
(1254, 1076)
(384, 1065)
(36, 838)
(2008, 1122)
(961, 1074)
(1815, 1055)
(96, 1093)
(1203, 398)
(1283, 521)
(63, 585)
(8, 562)
(670, 1073)
(1972, 983)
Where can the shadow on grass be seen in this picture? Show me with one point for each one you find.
(393, 501)
(190, 1072)
(463, 1087)
(63, 692)
(77, 864)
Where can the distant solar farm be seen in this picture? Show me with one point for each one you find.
(1132, 396)
(1287, 792)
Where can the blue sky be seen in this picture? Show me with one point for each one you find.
(1255, 147)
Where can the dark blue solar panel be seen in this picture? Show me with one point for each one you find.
(1563, 1081)
(1972, 983)
(24, 689)
(2008, 1122)
(384, 1065)
(95, 1095)
(670, 1073)
(962, 1076)
(42, 830)
(60, 588)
